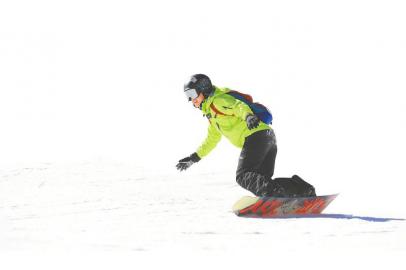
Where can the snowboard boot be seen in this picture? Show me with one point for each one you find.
(296, 187)
(307, 190)
(274, 189)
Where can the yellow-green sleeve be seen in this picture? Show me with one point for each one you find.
(213, 137)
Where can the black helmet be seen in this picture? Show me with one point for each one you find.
(201, 83)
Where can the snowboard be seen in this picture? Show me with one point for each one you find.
(249, 206)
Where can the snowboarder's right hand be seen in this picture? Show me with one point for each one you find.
(252, 121)
(186, 162)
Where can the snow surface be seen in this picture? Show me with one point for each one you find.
(93, 121)
(107, 209)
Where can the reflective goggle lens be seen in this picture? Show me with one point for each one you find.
(191, 94)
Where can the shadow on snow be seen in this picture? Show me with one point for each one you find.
(333, 216)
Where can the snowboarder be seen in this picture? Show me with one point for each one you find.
(235, 120)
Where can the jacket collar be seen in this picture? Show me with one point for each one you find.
(209, 100)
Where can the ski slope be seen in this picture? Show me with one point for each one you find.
(93, 119)
(123, 213)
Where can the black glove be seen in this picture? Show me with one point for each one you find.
(187, 162)
(252, 121)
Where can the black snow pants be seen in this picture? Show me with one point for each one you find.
(256, 167)
(257, 162)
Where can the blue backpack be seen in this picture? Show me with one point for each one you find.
(263, 113)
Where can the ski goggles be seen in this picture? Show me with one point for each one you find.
(191, 93)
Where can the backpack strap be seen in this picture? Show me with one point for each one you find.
(217, 110)
(241, 96)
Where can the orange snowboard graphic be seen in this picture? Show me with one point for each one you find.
(277, 207)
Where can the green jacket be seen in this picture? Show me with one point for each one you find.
(232, 124)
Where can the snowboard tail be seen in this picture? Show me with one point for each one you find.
(277, 207)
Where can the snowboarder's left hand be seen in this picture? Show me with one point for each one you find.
(186, 162)
(252, 121)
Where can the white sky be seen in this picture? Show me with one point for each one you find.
(103, 79)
